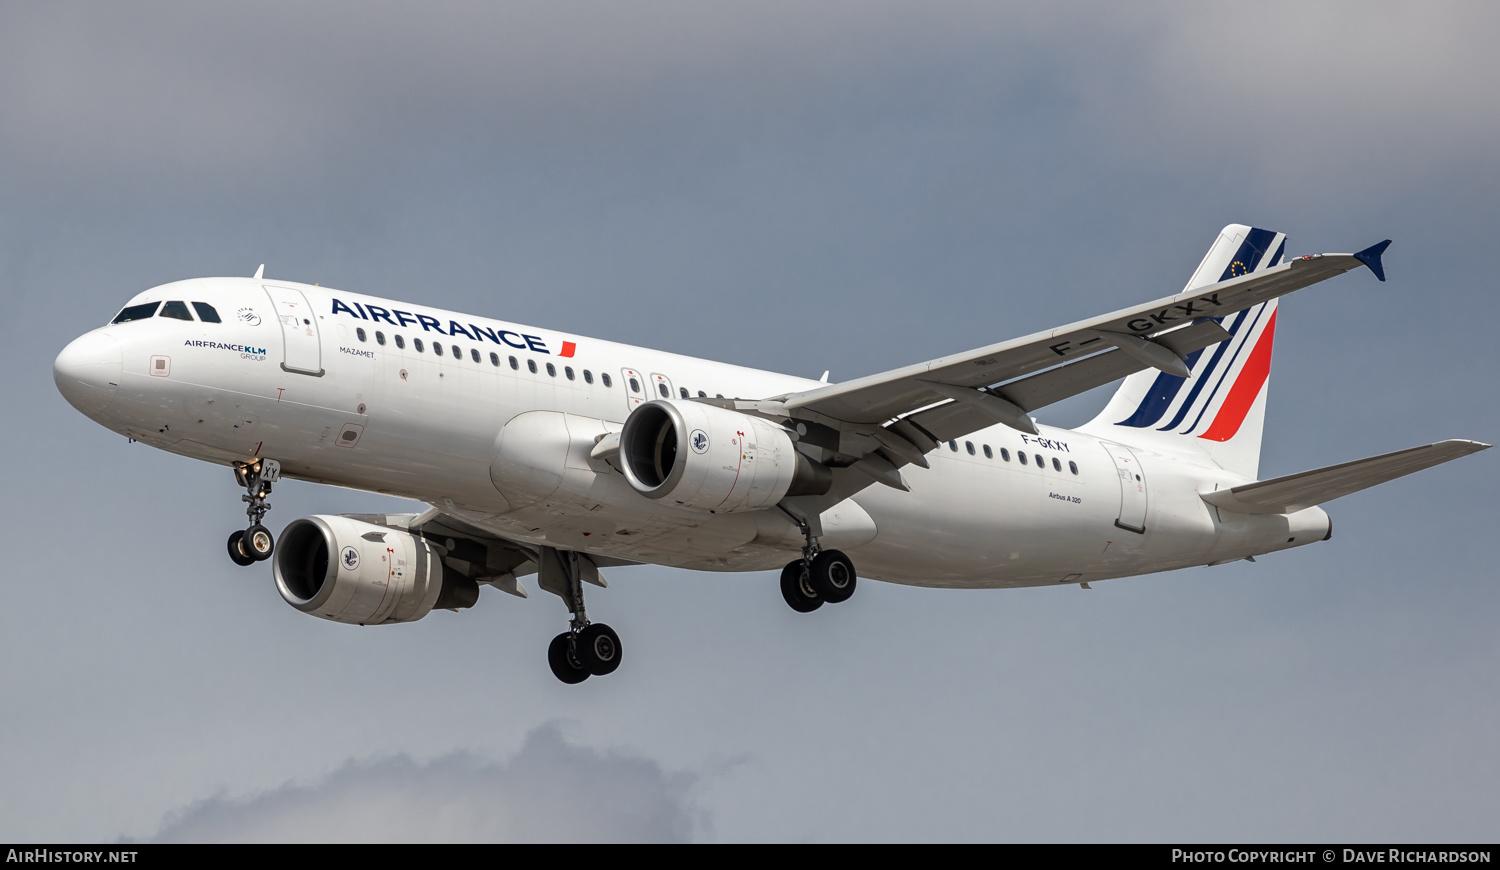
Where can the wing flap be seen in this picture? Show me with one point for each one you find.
(1294, 492)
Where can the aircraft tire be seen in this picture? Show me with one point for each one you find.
(833, 576)
(599, 649)
(236, 553)
(258, 543)
(799, 596)
(564, 666)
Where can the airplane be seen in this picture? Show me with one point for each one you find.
(548, 454)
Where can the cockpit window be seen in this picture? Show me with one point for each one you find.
(137, 312)
(176, 311)
(206, 312)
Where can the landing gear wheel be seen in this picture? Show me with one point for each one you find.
(258, 543)
(565, 665)
(797, 589)
(832, 575)
(236, 552)
(599, 649)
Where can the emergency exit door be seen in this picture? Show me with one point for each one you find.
(635, 388)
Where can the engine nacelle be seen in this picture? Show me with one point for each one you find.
(355, 572)
(714, 459)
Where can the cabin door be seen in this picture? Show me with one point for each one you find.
(302, 350)
(1132, 487)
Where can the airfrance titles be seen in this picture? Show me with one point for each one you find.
(245, 352)
(471, 331)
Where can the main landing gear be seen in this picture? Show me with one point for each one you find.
(586, 649)
(819, 576)
(254, 544)
(827, 578)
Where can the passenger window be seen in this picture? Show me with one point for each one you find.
(718, 395)
(380, 338)
(473, 354)
(665, 393)
(588, 376)
(551, 370)
(416, 345)
(515, 366)
(604, 378)
(1072, 466)
(531, 364)
(702, 395)
(136, 312)
(206, 312)
(400, 342)
(1021, 455)
(1056, 465)
(1004, 454)
(635, 385)
(437, 348)
(494, 359)
(359, 332)
(683, 391)
(969, 445)
(953, 445)
(176, 311)
(568, 370)
(988, 454)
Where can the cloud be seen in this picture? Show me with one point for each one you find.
(169, 86)
(550, 791)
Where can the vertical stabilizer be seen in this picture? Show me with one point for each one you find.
(1220, 410)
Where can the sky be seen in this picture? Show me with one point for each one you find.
(792, 186)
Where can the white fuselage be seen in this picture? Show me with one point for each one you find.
(418, 425)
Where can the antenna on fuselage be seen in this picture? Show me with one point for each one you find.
(261, 271)
(824, 379)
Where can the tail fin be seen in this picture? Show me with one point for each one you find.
(1221, 409)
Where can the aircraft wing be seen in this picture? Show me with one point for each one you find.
(1002, 381)
(866, 429)
(1283, 495)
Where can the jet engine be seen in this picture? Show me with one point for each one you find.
(713, 459)
(355, 572)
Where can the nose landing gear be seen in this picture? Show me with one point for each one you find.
(254, 544)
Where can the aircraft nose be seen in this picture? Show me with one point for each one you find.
(87, 372)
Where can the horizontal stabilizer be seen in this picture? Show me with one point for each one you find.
(1284, 495)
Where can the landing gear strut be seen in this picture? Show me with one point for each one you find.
(254, 544)
(586, 649)
(819, 576)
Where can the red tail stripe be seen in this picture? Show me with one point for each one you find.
(1246, 388)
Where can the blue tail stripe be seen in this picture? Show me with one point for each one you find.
(1158, 399)
(1202, 379)
(1259, 310)
(1276, 257)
